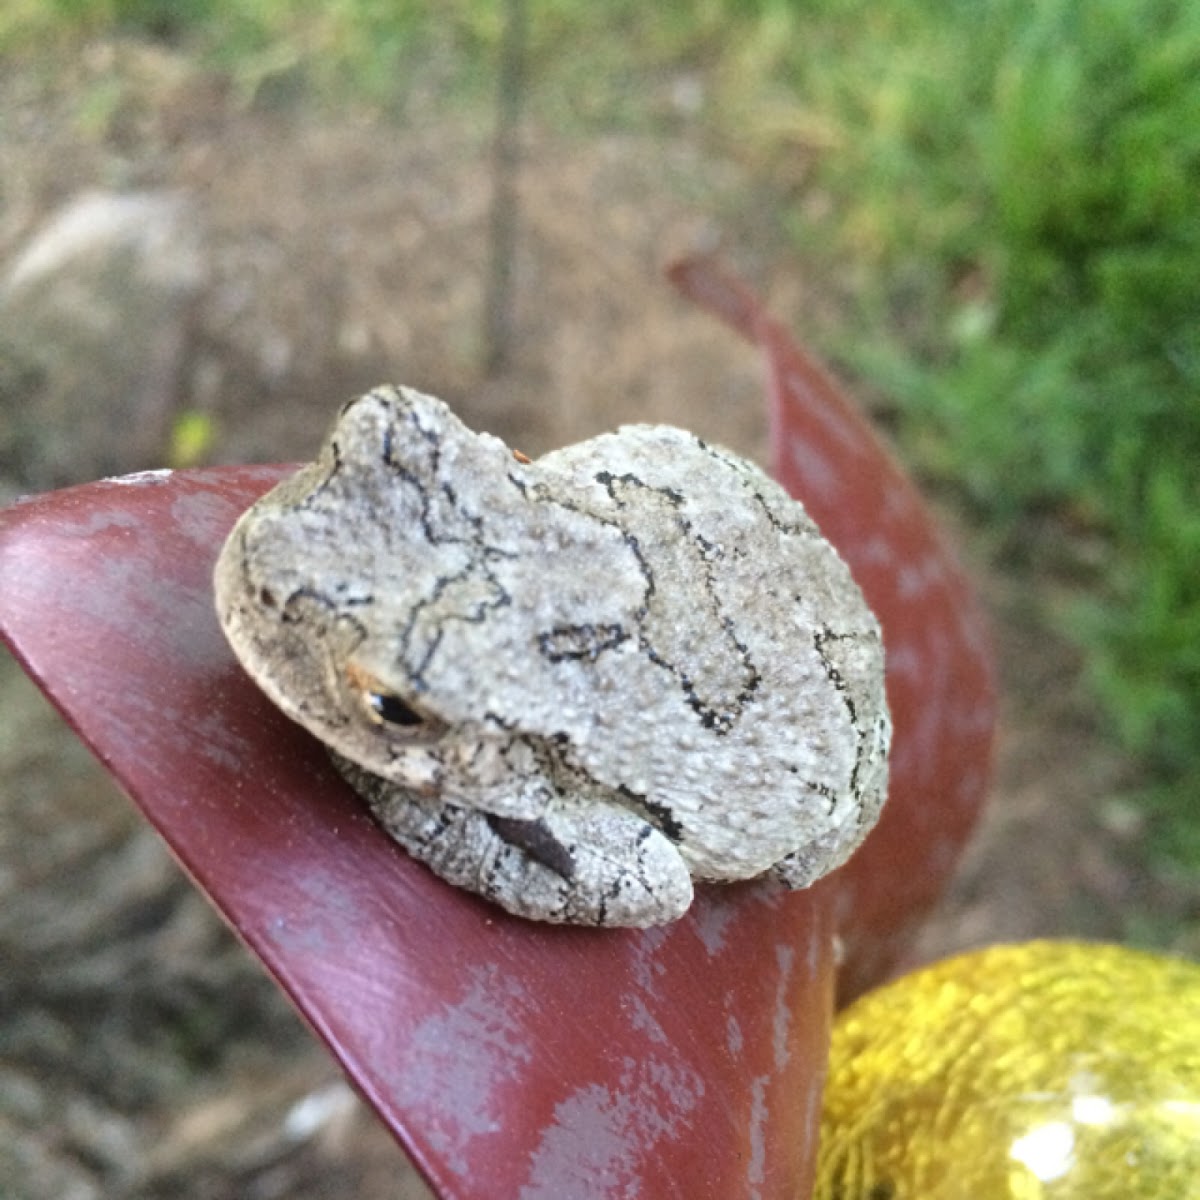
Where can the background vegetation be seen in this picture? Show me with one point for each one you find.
(1003, 197)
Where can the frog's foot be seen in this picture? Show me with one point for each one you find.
(599, 866)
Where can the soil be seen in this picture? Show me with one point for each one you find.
(145, 1054)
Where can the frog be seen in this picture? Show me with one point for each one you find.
(577, 685)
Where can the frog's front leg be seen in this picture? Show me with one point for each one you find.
(593, 864)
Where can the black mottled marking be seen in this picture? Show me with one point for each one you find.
(504, 723)
(656, 814)
(718, 714)
(609, 482)
(821, 639)
(825, 792)
(805, 528)
(663, 819)
(436, 533)
(584, 641)
(537, 840)
(289, 615)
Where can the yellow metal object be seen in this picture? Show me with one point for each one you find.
(1046, 1071)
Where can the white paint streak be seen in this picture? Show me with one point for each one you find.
(600, 1138)
(453, 1063)
(759, 1115)
(643, 1020)
(713, 916)
(735, 1040)
(818, 473)
(785, 958)
(832, 418)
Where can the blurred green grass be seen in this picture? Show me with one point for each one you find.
(1005, 194)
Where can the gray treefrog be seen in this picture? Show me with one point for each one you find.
(572, 685)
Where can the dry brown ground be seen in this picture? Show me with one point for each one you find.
(143, 1053)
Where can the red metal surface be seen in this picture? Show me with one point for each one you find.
(510, 1059)
(939, 666)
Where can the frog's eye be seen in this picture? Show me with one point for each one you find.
(383, 706)
(391, 710)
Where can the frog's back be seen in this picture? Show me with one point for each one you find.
(751, 717)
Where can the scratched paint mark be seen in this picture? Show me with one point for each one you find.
(643, 1020)
(712, 916)
(812, 1110)
(96, 520)
(814, 951)
(820, 478)
(318, 916)
(300, 937)
(647, 966)
(735, 1040)
(785, 959)
(212, 738)
(756, 1168)
(600, 1137)
(205, 517)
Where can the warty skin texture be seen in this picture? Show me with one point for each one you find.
(572, 685)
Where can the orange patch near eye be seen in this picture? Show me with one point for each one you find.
(362, 680)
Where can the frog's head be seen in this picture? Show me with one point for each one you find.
(338, 586)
